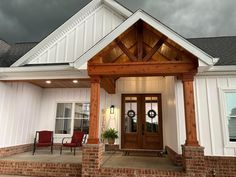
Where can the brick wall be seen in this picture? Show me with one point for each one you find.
(175, 158)
(40, 169)
(131, 172)
(220, 166)
(92, 159)
(7, 151)
(193, 160)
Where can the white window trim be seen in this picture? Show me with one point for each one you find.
(72, 117)
(223, 112)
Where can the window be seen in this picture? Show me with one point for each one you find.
(63, 118)
(81, 118)
(72, 117)
(231, 114)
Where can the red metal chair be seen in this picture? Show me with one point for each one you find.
(43, 139)
(76, 141)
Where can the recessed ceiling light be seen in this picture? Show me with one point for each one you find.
(75, 81)
(48, 82)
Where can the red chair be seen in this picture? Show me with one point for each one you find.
(43, 139)
(76, 141)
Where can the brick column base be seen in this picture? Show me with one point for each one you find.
(91, 159)
(193, 160)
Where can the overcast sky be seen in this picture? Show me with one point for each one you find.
(32, 20)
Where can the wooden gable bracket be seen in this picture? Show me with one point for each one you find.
(109, 84)
(155, 48)
(131, 56)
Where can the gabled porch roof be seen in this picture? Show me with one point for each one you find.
(204, 59)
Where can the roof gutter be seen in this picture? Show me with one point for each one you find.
(219, 70)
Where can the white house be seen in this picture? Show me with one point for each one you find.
(166, 90)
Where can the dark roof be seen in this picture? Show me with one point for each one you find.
(14, 52)
(218, 47)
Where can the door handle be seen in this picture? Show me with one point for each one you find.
(142, 129)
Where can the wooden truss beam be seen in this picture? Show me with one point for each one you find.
(140, 40)
(131, 56)
(154, 49)
(109, 84)
(167, 58)
(141, 68)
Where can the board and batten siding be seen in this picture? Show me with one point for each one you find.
(19, 112)
(209, 113)
(73, 43)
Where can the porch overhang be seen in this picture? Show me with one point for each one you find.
(205, 61)
(42, 72)
(142, 50)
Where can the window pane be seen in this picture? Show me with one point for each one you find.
(151, 110)
(231, 114)
(81, 125)
(131, 117)
(64, 110)
(81, 120)
(63, 118)
(63, 126)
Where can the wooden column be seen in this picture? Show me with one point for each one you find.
(94, 111)
(190, 120)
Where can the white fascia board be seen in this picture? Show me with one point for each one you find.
(204, 57)
(35, 68)
(51, 38)
(41, 72)
(118, 8)
(220, 70)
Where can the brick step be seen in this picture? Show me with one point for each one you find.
(45, 169)
(143, 152)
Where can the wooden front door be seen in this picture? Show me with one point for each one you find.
(141, 123)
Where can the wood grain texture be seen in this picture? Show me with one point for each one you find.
(190, 119)
(94, 111)
(141, 68)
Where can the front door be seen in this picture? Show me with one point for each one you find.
(141, 123)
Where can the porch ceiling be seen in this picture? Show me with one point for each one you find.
(58, 83)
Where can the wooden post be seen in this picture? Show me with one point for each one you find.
(190, 121)
(94, 111)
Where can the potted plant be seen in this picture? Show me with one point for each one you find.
(111, 134)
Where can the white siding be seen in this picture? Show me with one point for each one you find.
(76, 41)
(169, 115)
(209, 117)
(19, 111)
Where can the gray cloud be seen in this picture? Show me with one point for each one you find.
(32, 20)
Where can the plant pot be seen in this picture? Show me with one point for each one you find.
(111, 141)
